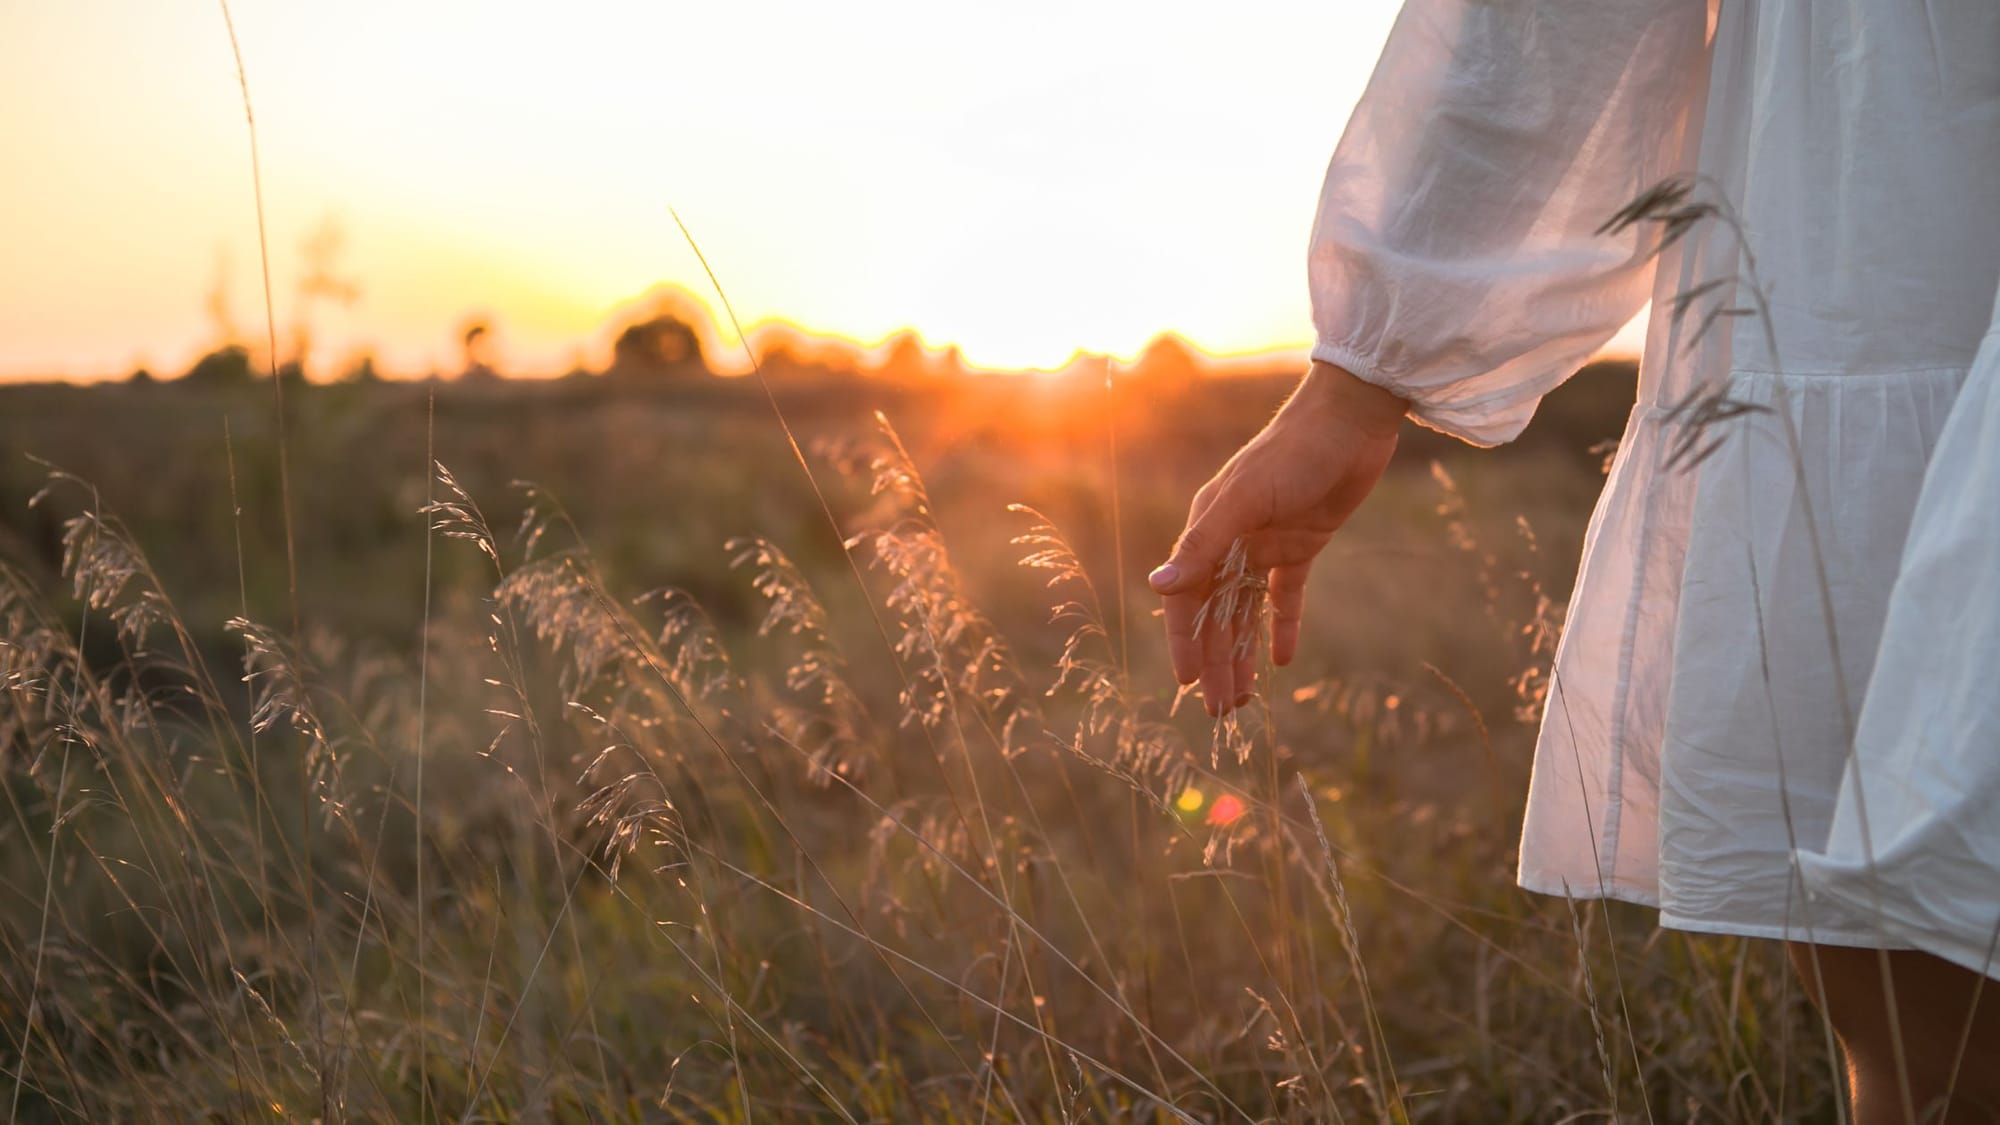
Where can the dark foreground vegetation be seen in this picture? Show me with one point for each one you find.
(678, 785)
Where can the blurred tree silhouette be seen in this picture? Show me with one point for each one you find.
(909, 359)
(1168, 362)
(661, 345)
(322, 283)
(475, 342)
(217, 300)
(225, 366)
(362, 370)
(782, 361)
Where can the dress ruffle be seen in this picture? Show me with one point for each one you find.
(1914, 846)
(1765, 569)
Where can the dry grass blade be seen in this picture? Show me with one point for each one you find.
(1385, 1089)
(1236, 600)
(1590, 1000)
(1670, 205)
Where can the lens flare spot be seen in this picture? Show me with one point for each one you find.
(1190, 801)
(1226, 810)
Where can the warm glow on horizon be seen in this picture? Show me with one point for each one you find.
(1022, 184)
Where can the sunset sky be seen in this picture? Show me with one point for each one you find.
(1023, 181)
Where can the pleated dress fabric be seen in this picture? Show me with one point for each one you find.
(1813, 324)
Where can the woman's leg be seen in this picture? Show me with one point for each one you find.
(1949, 1020)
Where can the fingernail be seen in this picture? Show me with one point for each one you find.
(1164, 576)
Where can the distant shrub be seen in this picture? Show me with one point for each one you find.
(225, 366)
(363, 370)
(661, 345)
(1169, 361)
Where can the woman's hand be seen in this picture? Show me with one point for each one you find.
(1285, 493)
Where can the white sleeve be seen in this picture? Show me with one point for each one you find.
(1455, 258)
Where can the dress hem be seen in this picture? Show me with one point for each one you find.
(1721, 927)
(1562, 889)
(1844, 938)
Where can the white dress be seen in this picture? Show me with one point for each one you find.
(1738, 569)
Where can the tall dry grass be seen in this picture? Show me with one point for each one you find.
(847, 859)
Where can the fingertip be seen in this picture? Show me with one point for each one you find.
(1175, 578)
(1216, 691)
(1284, 642)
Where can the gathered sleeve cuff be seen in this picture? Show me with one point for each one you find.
(1457, 258)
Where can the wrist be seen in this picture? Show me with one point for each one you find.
(1337, 390)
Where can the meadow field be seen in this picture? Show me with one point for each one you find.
(592, 750)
